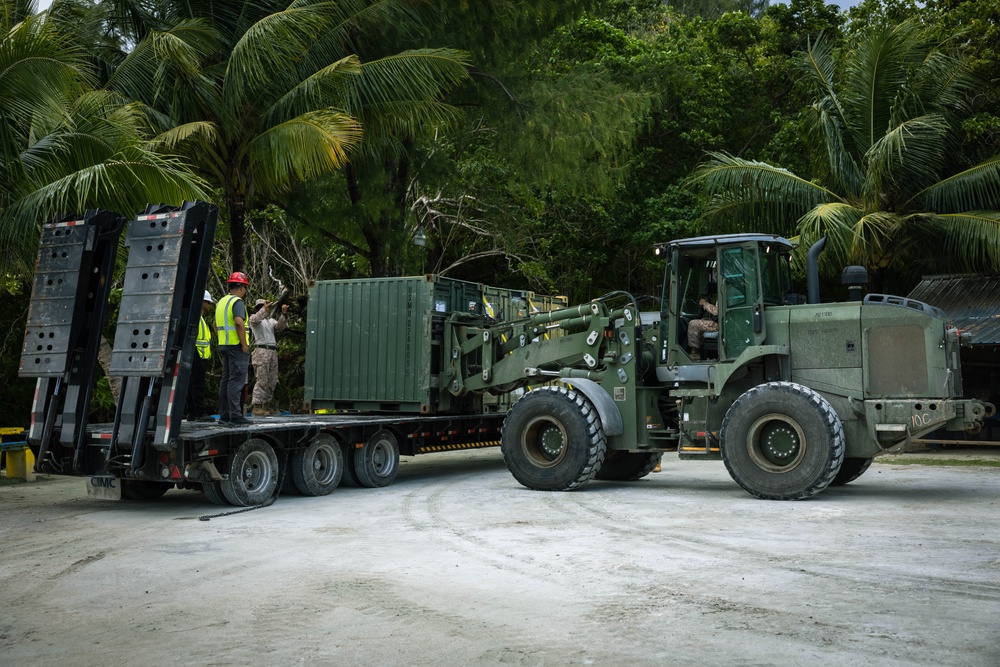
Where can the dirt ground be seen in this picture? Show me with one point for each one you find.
(456, 564)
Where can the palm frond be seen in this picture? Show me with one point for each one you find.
(327, 87)
(875, 76)
(844, 168)
(313, 144)
(906, 158)
(414, 75)
(166, 63)
(178, 134)
(976, 188)
(38, 71)
(837, 221)
(305, 36)
(769, 195)
(126, 182)
(972, 238)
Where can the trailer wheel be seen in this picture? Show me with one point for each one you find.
(317, 469)
(253, 474)
(782, 441)
(213, 491)
(850, 470)
(350, 476)
(133, 489)
(553, 439)
(376, 464)
(628, 466)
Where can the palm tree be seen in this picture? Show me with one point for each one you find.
(265, 94)
(889, 191)
(65, 147)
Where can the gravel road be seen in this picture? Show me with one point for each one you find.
(456, 564)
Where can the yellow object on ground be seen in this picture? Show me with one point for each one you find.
(20, 459)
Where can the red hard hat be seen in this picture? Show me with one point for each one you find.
(239, 277)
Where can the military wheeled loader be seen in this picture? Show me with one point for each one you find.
(792, 394)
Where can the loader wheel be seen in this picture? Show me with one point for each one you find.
(213, 491)
(133, 489)
(376, 464)
(317, 469)
(253, 474)
(850, 470)
(628, 466)
(782, 441)
(553, 439)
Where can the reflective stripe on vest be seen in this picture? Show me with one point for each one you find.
(204, 340)
(225, 321)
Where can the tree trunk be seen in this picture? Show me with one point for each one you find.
(238, 231)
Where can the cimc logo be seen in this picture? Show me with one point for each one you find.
(104, 482)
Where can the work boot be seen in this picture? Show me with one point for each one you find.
(695, 355)
(259, 410)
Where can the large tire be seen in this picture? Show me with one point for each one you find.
(253, 474)
(553, 439)
(376, 464)
(628, 466)
(133, 489)
(350, 477)
(782, 441)
(850, 470)
(213, 491)
(317, 469)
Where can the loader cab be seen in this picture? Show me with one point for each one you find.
(740, 274)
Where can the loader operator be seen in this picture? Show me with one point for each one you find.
(265, 355)
(197, 410)
(697, 328)
(234, 350)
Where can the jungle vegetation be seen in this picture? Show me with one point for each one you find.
(538, 145)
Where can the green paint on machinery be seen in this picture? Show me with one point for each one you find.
(792, 394)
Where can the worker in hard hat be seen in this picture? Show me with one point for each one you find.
(195, 406)
(234, 349)
(264, 358)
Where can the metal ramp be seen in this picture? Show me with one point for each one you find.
(69, 301)
(169, 259)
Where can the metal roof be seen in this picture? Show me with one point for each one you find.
(730, 238)
(971, 302)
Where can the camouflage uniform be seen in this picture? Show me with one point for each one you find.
(265, 356)
(697, 329)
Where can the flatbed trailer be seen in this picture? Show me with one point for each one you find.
(313, 453)
(149, 448)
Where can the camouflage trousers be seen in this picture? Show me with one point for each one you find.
(696, 332)
(265, 367)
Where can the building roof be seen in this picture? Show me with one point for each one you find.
(971, 302)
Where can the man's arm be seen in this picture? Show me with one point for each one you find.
(259, 316)
(282, 322)
(241, 333)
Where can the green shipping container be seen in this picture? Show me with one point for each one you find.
(375, 344)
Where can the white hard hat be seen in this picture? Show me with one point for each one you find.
(208, 297)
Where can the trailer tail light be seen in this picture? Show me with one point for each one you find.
(163, 459)
(175, 472)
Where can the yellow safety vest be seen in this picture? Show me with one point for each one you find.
(204, 339)
(225, 321)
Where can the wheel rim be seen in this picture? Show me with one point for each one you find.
(544, 441)
(776, 443)
(256, 473)
(324, 464)
(383, 459)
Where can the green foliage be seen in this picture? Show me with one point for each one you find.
(66, 147)
(890, 186)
